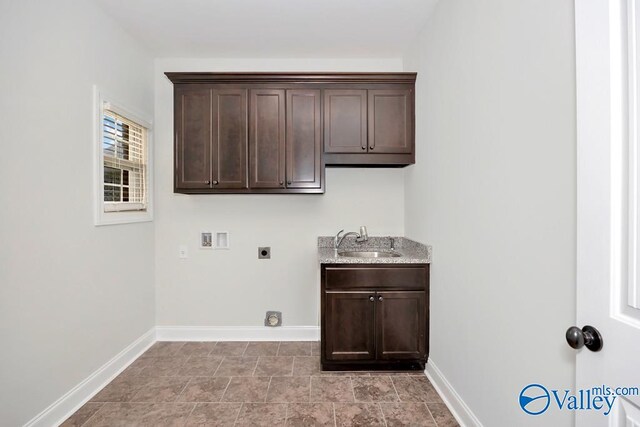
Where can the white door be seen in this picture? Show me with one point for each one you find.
(608, 270)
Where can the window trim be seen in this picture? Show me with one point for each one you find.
(102, 98)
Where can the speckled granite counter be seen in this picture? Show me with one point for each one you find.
(412, 252)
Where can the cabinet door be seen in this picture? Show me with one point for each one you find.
(303, 139)
(401, 325)
(349, 325)
(391, 121)
(229, 139)
(345, 121)
(267, 139)
(193, 138)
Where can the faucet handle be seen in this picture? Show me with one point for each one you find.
(363, 232)
(339, 233)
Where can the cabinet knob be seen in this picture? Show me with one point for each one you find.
(207, 182)
(288, 182)
(215, 182)
(371, 147)
(281, 182)
(363, 147)
(380, 298)
(371, 298)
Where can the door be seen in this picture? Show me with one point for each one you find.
(267, 138)
(390, 121)
(608, 294)
(401, 325)
(303, 145)
(229, 139)
(345, 121)
(349, 325)
(193, 138)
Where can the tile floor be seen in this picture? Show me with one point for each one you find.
(257, 384)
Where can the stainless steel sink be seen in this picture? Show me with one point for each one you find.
(369, 254)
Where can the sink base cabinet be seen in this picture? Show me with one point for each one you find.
(374, 316)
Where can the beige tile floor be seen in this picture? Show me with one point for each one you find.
(257, 384)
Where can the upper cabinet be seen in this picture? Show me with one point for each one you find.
(276, 132)
(192, 112)
(345, 121)
(369, 127)
(229, 139)
(267, 138)
(304, 163)
(391, 121)
(211, 139)
(285, 157)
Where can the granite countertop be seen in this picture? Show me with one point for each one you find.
(412, 252)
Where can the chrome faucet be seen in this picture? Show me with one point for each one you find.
(360, 237)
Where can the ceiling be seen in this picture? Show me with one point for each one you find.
(272, 28)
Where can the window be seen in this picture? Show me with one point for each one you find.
(123, 193)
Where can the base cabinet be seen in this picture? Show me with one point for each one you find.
(374, 316)
(358, 341)
(400, 325)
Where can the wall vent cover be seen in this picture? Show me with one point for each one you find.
(273, 319)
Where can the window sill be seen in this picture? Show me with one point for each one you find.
(113, 218)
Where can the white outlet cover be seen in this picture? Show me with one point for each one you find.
(183, 252)
(222, 240)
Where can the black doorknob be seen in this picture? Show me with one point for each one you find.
(588, 337)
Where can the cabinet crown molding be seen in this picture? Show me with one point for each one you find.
(290, 77)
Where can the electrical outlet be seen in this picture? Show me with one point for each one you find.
(183, 252)
(264, 252)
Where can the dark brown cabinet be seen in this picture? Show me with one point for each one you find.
(285, 156)
(193, 138)
(276, 132)
(229, 139)
(374, 316)
(371, 123)
(391, 121)
(267, 138)
(401, 325)
(345, 121)
(304, 165)
(211, 138)
(350, 308)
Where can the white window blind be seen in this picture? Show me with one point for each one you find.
(125, 163)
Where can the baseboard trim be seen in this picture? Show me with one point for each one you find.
(457, 406)
(237, 333)
(64, 407)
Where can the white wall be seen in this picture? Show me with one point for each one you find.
(72, 295)
(494, 191)
(234, 288)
